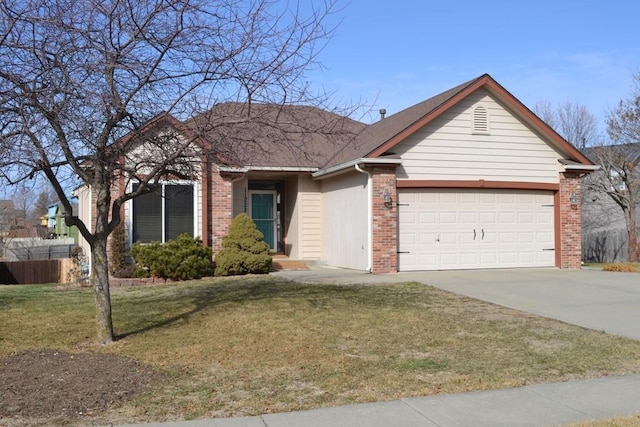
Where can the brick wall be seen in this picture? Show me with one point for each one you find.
(385, 221)
(221, 202)
(570, 222)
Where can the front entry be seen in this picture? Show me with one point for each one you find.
(262, 209)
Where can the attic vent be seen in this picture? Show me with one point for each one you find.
(480, 120)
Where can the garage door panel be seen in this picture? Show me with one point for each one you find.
(449, 239)
(409, 239)
(544, 217)
(508, 258)
(428, 239)
(518, 229)
(488, 237)
(468, 218)
(545, 239)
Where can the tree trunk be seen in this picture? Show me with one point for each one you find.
(100, 282)
(633, 248)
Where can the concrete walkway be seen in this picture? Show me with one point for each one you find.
(604, 301)
(594, 299)
(537, 405)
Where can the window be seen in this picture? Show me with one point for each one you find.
(163, 214)
(480, 120)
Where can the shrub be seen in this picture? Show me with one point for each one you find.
(243, 250)
(624, 267)
(117, 261)
(181, 259)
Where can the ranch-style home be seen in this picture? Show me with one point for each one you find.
(468, 179)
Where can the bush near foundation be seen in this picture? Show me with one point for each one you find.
(117, 257)
(184, 258)
(243, 250)
(625, 267)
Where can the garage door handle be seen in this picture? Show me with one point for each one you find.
(474, 234)
(483, 234)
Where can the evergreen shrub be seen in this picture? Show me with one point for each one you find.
(117, 260)
(182, 259)
(243, 250)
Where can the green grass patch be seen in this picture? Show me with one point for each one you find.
(251, 345)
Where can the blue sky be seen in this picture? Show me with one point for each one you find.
(393, 54)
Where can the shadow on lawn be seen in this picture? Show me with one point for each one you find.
(161, 307)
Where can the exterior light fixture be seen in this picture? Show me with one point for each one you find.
(573, 200)
(386, 198)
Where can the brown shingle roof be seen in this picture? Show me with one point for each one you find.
(274, 136)
(268, 135)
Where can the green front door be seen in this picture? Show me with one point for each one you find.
(263, 213)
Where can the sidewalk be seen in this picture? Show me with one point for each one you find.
(536, 405)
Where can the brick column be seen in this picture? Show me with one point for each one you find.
(385, 221)
(570, 221)
(221, 199)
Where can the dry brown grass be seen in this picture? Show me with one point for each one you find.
(255, 345)
(613, 422)
(626, 267)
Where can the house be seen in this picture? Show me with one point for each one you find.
(470, 178)
(55, 224)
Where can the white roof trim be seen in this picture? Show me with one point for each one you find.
(579, 167)
(244, 169)
(344, 167)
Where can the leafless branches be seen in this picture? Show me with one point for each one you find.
(571, 120)
(620, 163)
(81, 79)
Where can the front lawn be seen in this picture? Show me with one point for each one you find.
(252, 345)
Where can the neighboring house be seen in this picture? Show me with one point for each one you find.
(470, 178)
(56, 226)
(604, 229)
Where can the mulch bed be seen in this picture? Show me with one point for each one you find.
(49, 383)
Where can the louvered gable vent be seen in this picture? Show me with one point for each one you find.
(480, 120)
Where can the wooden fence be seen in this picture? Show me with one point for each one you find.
(31, 272)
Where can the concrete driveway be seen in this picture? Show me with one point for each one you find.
(594, 299)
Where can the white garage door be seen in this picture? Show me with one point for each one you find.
(462, 229)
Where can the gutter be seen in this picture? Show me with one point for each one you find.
(346, 167)
(245, 169)
(581, 168)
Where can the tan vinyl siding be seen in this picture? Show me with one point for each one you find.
(292, 223)
(310, 224)
(345, 221)
(84, 214)
(239, 197)
(448, 149)
(197, 207)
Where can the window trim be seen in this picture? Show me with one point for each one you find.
(163, 183)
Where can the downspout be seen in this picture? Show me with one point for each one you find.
(369, 216)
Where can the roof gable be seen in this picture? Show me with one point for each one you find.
(382, 136)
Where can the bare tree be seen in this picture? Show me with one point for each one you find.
(571, 120)
(619, 179)
(81, 79)
(545, 110)
(7, 217)
(620, 176)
